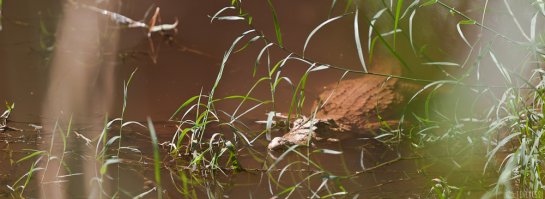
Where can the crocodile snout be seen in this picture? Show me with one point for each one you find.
(277, 143)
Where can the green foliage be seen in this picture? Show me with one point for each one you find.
(443, 190)
(276, 24)
(156, 159)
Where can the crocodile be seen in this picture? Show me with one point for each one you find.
(351, 108)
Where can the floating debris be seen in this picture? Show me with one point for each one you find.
(131, 23)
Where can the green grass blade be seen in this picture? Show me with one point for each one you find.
(156, 159)
(396, 22)
(242, 97)
(428, 3)
(510, 11)
(250, 42)
(104, 167)
(357, 40)
(533, 28)
(259, 57)
(247, 96)
(36, 153)
(187, 102)
(441, 64)
(318, 28)
(145, 193)
(412, 5)
(500, 144)
(411, 38)
(268, 127)
(276, 24)
(371, 26)
(348, 5)
(219, 12)
(393, 51)
(332, 195)
(501, 68)
(224, 62)
(461, 33)
(230, 18)
(331, 8)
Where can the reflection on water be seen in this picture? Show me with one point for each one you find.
(366, 169)
(80, 84)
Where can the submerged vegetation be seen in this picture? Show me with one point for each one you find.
(472, 129)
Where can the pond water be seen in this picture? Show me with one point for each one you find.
(365, 169)
(186, 64)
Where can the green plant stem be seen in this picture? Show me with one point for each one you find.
(345, 69)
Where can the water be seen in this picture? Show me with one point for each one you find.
(187, 63)
(401, 172)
